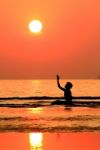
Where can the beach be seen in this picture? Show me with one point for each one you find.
(49, 75)
(50, 119)
(49, 141)
(34, 123)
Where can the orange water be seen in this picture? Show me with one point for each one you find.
(47, 88)
(48, 118)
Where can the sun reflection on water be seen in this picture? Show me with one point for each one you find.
(36, 141)
(35, 110)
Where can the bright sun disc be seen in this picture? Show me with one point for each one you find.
(35, 26)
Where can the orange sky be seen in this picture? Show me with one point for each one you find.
(69, 43)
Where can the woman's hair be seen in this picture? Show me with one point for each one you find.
(68, 85)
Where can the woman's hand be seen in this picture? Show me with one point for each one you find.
(58, 77)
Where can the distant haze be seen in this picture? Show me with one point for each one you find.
(69, 44)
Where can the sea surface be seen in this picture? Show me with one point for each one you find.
(27, 115)
(28, 121)
(11, 88)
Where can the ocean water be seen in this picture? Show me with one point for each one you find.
(28, 115)
(11, 88)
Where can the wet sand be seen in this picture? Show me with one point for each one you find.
(49, 141)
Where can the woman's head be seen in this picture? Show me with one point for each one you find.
(68, 85)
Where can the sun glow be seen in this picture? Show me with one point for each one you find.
(35, 26)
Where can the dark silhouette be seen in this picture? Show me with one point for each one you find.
(67, 91)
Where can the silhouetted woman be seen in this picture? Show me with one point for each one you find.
(67, 91)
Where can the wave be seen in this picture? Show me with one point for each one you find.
(36, 101)
(49, 98)
(38, 128)
(95, 104)
(28, 124)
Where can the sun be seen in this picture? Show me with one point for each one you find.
(35, 26)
